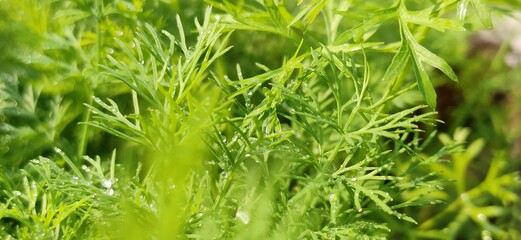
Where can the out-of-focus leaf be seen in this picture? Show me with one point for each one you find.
(372, 20)
(482, 12)
(462, 10)
(70, 16)
(423, 18)
(347, 47)
(310, 12)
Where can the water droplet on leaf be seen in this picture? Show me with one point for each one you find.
(107, 183)
(332, 197)
(85, 168)
(243, 217)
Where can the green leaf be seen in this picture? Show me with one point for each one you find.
(482, 12)
(309, 12)
(70, 16)
(423, 18)
(462, 10)
(371, 22)
(434, 60)
(278, 13)
(379, 202)
(398, 63)
(424, 83)
(377, 16)
(348, 47)
(422, 54)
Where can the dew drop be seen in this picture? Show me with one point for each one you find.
(247, 155)
(152, 208)
(85, 168)
(353, 179)
(359, 210)
(110, 192)
(107, 183)
(243, 217)
(119, 32)
(17, 193)
(332, 197)
(482, 217)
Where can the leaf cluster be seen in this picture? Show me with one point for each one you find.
(325, 136)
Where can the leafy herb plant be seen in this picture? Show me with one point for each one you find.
(238, 120)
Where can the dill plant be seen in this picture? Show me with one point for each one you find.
(169, 129)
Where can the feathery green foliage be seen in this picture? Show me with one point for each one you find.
(240, 120)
